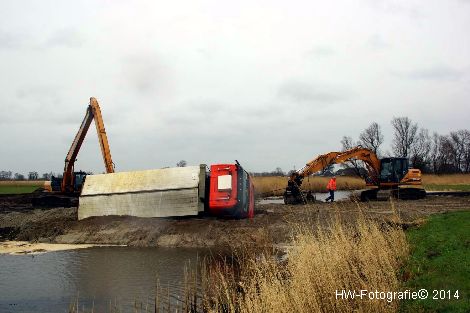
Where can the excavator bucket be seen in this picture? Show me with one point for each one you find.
(165, 192)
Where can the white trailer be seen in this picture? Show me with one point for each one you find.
(163, 192)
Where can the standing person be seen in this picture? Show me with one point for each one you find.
(331, 188)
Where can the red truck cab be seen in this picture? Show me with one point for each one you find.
(231, 191)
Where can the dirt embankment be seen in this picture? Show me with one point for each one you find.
(273, 223)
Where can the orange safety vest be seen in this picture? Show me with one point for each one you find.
(331, 184)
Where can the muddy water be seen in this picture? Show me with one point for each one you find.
(50, 282)
(320, 196)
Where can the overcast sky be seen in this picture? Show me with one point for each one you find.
(270, 83)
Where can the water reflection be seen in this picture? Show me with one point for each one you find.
(320, 196)
(50, 282)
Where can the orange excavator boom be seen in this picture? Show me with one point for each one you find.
(388, 176)
(324, 160)
(93, 112)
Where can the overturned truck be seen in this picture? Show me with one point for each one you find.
(224, 190)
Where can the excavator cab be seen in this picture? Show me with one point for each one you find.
(77, 182)
(392, 170)
(79, 179)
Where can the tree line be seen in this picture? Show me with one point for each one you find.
(9, 175)
(431, 153)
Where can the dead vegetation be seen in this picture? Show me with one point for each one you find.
(275, 185)
(451, 179)
(320, 262)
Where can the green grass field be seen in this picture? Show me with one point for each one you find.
(458, 187)
(18, 187)
(440, 260)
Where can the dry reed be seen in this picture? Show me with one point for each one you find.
(15, 183)
(345, 256)
(275, 185)
(452, 179)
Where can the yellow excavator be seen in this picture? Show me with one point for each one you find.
(385, 177)
(64, 191)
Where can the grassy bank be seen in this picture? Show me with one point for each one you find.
(17, 187)
(440, 260)
(447, 187)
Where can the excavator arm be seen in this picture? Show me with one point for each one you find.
(102, 137)
(93, 112)
(322, 161)
(401, 182)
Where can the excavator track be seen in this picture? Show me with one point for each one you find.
(410, 193)
(386, 194)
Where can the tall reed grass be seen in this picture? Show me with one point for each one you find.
(275, 185)
(450, 179)
(363, 255)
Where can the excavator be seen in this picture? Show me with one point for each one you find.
(64, 191)
(385, 177)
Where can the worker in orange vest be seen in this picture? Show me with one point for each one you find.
(331, 188)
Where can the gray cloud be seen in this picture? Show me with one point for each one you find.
(393, 7)
(67, 37)
(308, 92)
(35, 104)
(214, 85)
(146, 74)
(320, 51)
(439, 73)
(377, 42)
(11, 40)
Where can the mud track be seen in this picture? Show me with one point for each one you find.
(272, 224)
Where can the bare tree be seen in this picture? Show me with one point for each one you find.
(356, 166)
(420, 150)
(449, 156)
(328, 170)
(404, 135)
(181, 163)
(347, 143)
(289, 173)
(47, 176)
(459, 150)
(372, 137)
(436, 157)
(19, 176)
(466, 153)
(5, 175)
(278, 171)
